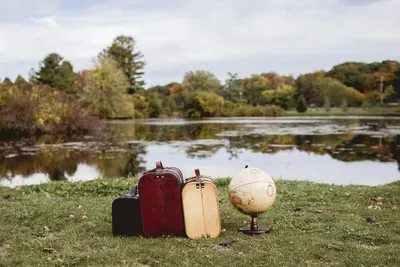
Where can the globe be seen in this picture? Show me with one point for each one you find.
(252, 191)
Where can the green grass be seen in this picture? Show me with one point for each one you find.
(75, 220)
(375, 111)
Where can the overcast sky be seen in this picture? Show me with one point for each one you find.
(176, 36)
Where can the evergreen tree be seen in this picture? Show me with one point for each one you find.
(129, 60)
(57, 73)
(301, 104)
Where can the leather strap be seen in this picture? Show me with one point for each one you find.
(159, 166)
(134, 190)
(197, 172)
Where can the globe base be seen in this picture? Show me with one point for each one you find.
(248, 231)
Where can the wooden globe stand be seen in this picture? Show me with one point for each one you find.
(254, 229)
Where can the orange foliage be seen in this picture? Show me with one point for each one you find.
(373, 80)
(273, 80)
(175, 90)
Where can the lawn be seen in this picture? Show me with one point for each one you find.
(69, 224)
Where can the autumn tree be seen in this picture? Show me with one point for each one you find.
(7, 82)
(20, 81)
(106, 90)
(123, 50)
(57, 73)
(273, 80)
(210, 103)
(81, 80)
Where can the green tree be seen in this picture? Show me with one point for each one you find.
(57, 73)
(193, 82)
(200, 81)
(232, 89)
(331, 92)
(283, 96)
(301, 104)
(169, 105)
(123, 50)
(353, 74)
(141, 105)
(305, 87)
(155, 106)
(106, 90)
(253, 88)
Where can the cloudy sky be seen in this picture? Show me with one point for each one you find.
(176, 36)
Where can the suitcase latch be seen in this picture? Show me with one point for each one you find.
(199, 184)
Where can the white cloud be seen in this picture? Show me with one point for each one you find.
(204, 33)
(48, 22)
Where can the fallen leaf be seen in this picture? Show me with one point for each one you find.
(71, 216)
(50, 250)
(46, 228)
(84, 217)
(371, 203)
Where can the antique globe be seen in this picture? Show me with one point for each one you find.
(252, 192)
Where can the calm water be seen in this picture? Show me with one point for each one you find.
(330, 150)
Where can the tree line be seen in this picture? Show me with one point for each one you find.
(58, 99)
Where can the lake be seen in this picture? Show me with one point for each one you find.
(333, 150)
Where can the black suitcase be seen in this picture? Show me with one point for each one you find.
(126, 216)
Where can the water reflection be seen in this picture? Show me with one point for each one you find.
(218, 146)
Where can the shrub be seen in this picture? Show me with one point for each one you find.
(41, 109)
(238, 110)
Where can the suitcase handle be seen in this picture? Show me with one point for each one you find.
(159, 166)
(197, 172)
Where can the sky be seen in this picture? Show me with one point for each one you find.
(246, 37)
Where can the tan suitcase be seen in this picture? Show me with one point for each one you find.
(200, 207)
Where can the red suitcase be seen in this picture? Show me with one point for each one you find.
(161, 202)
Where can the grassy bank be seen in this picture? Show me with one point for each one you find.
(377, 111)
(313, 225)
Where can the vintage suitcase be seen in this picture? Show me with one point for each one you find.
(161, 202)
(200, 207)
(126, 216)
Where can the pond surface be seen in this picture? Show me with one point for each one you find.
(330, 150)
